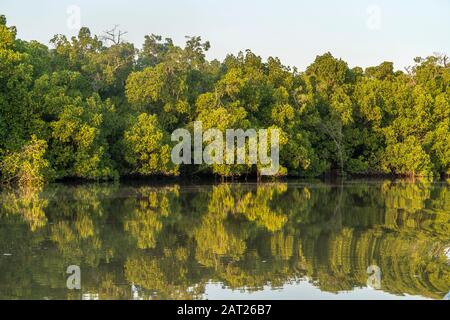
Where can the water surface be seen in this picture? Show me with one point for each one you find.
(302, 240)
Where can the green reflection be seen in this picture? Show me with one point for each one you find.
(169, 242)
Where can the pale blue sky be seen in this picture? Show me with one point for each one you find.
(294, 31)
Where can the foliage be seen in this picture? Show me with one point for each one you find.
(27, 167)
(107, 111)
(147, 148)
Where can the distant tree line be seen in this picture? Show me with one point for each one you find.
(94, 109)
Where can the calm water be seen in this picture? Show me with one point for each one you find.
(356, 240)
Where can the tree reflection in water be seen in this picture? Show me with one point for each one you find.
(169, 242)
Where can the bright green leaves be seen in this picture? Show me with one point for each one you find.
(22, 162)
(380, 72)
(329, 72)
(407, 158)
(341, 104)
(161, 90)
(153, 51)
(108, 109)
(15, 80)
(438, 139)
(408, 116)
(145, 87)
(440, 149)
(78, 140)
(147, 147)
(27, 167)
(171, 81)
(7, 34)
(104, 68)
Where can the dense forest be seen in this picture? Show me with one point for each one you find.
(98, 108)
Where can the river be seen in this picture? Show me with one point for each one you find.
(358, 239)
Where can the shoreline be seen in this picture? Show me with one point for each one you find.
(208, 180)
